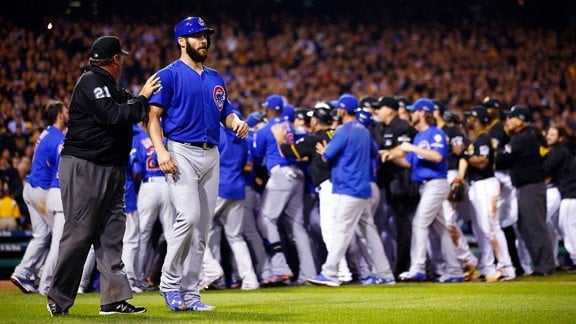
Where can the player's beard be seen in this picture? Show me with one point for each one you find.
(195, 54)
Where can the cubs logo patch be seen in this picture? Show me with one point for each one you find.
(219, 96)
(438, 138)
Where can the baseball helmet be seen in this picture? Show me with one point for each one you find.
(191, 26)
(323, 115)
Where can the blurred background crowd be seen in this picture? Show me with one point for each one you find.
(521, 52)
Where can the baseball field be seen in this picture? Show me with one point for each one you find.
(527, 300)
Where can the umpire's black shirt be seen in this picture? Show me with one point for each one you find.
(101, 116)
(559, 164)
(306, 147)
(522, 156)
(387, 137)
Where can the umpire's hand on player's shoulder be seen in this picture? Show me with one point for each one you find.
(165, 162)
(152, 85)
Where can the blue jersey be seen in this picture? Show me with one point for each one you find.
(249, 176)
(55, 183)
(194, 103)
(44, 162)
(233, 158)
(435, 139)
(265, 145)
(130, 194)
(143, 157)
(350, 152)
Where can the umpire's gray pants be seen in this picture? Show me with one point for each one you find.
(193, 190)
(37, 249)
(284, 192)
(430, 214)
(93, 201)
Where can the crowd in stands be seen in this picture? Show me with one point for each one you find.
(305, 59)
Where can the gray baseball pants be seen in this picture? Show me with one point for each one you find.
(429, 213)
(284, 192)
(194, 191)
(93, 201)
(37, 249)
(252, 234)
(153, 203)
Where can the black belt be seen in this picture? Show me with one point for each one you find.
(202, 145)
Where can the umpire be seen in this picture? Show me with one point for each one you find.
(92, 179)
(522, 156)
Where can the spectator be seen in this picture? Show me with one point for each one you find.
(9, 211)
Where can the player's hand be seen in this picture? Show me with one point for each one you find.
(241, 128)
(151, 85)
(406, 147)
(385, 155)
(279, 132)
(321, 147)
(166, 163)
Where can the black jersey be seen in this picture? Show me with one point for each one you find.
(306, 147)
(482, 147)
(455, 138)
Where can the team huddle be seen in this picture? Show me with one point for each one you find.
(373, 190)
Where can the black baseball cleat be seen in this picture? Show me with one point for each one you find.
(54, 309)
(121, 307)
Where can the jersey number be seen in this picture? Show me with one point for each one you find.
(103, 92)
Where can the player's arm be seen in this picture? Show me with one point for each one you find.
(110, 113)
(427, 154)
(234, 123)
(165, 161)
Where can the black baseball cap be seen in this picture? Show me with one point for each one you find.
(403, 102)
(389, 102)
(438, 105)
(368, 102)
(480, 112)
(106, 47)
(324, 115)
(521, 112)
(491, 103)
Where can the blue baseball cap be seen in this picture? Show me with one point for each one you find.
(348, 102)
(274, 102)
(364, 117)
(191, 26)
(289, 112)
(422, 104)
(254, 118)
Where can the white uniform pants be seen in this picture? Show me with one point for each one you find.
(552, 212)
(567, 225)
(484, 196)
(328, 204)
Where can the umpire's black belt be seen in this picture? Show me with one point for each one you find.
(202, 145)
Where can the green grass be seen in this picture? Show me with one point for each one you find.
(532, 300)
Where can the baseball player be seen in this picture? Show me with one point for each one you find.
(478, 168)
(349, 152)
(560, 166)
(131, 239)
(230, 210)
(153, 201)
(283, 193)
(250, 229)
(428, 158)
(320, 171)
(507, 202)
(457, 142)
(57, 115)
(44, 165)
(192, 103)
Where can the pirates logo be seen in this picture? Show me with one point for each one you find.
(219, 96)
